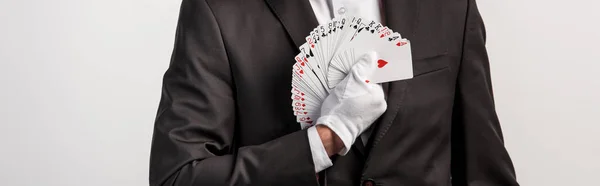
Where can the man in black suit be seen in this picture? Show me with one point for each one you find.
(225, 116)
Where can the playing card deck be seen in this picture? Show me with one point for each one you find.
(330, 52)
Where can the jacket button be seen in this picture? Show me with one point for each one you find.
(368, 183)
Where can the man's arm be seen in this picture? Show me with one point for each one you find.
(479, 157)
(193, 142)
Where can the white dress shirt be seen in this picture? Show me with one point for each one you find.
(324, 11)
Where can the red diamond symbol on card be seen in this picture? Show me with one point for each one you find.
(401, 43)
(381, 36)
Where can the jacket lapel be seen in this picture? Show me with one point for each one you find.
(296, 16)
(401, 16)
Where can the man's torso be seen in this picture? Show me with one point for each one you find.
(410, 142)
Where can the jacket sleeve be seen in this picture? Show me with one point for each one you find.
(194, 133)
(479, 157)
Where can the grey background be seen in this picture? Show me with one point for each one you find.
(80, 81)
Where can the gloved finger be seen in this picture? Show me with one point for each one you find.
(356, 82)
(364, 67)
(376, 91)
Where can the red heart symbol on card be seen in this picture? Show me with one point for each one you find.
(308, 118)
(381, 36)
(305, 112)
(367, 81)
(381, 63)
(302, 94)
(301, 71)
(302, 99)
(312, 46)
(303, 105)
(302, 63)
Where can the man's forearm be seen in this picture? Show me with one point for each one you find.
(332, 143)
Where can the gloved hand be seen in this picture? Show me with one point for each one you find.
(354, 104)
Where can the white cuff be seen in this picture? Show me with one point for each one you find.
(319, 154)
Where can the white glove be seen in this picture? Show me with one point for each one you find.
(354, 104)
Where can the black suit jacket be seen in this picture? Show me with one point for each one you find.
(225, 116)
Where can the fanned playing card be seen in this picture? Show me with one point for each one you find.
(330, 52)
